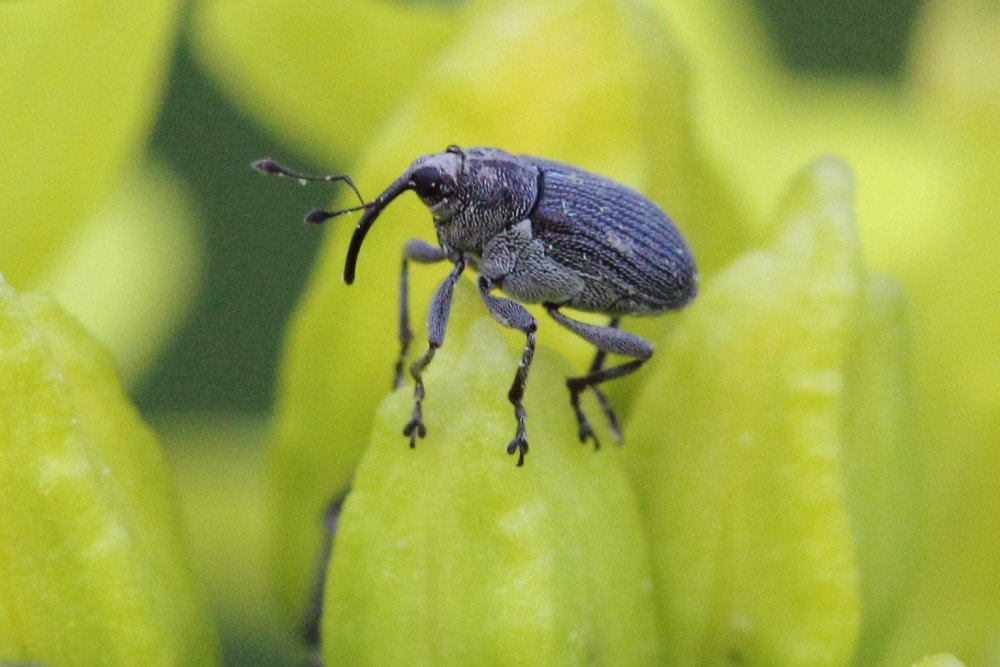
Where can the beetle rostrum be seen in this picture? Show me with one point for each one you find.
(539, 231)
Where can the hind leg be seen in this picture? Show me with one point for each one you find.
(607, 339)
(599, 358)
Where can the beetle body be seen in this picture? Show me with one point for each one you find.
(565, 236)
(542, 232)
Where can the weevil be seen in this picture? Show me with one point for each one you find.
(541, 232)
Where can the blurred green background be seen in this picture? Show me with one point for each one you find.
(258, 255)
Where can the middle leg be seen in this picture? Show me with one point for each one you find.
(512, 314)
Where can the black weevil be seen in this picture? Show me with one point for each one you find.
(542, 232)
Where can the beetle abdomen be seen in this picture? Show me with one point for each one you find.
(631, 255)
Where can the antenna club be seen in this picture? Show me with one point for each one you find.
(318, 216)
(266, 166)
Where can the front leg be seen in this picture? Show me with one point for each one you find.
(514, 315)
(422, 252)
(437, 321)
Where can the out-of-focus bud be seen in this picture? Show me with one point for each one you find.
(93, 569)
(746, 447)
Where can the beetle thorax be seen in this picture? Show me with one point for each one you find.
(493, 190)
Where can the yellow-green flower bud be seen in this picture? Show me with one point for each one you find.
(940, 660)
(450, 554)
(75, 113)
(92, 571)
(745, 446)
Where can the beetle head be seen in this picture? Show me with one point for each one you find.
(434, 179)
(472, 195)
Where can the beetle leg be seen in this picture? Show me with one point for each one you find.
(578, 385)
(512, 314)
(437, 321)
(310, 629)
(424, 253)
(602, 399)
(606, 339)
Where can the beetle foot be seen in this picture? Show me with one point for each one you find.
(609, 414)
(520, 445)
(415, 427)
(520, 442)
(585, 431)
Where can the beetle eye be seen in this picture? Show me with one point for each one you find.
(427, 183)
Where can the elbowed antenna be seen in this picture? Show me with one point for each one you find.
(372, 211)
(270, 167)
(316, 216)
